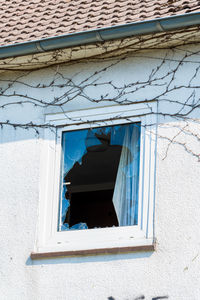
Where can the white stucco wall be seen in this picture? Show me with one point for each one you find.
(173, 269)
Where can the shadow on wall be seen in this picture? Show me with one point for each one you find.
(87, 259)
(142, 297)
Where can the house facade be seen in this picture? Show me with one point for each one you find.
(100, 152)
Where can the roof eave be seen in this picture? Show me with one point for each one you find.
(100, 35)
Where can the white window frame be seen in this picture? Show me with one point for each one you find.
(49, 238)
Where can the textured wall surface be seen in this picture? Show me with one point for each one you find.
(172, 271)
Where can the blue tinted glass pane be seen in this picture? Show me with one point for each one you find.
(100, 177)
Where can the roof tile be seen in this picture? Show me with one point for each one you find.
(25, 20)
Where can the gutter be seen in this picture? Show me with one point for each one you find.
(101, 35)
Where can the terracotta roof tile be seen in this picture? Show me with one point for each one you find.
(25, 20)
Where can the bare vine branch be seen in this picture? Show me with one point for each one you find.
(177, 100)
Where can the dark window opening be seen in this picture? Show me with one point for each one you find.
(94, 208)
(90, 200)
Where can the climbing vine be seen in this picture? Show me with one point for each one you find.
(162, 69)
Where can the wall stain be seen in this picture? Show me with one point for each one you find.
(160, 297)
(186, 268)
(195, 257)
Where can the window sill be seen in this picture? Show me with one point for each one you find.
(100, 251)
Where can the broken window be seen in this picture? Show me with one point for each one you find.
(100, 176)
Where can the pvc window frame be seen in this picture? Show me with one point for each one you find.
(49, 238)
